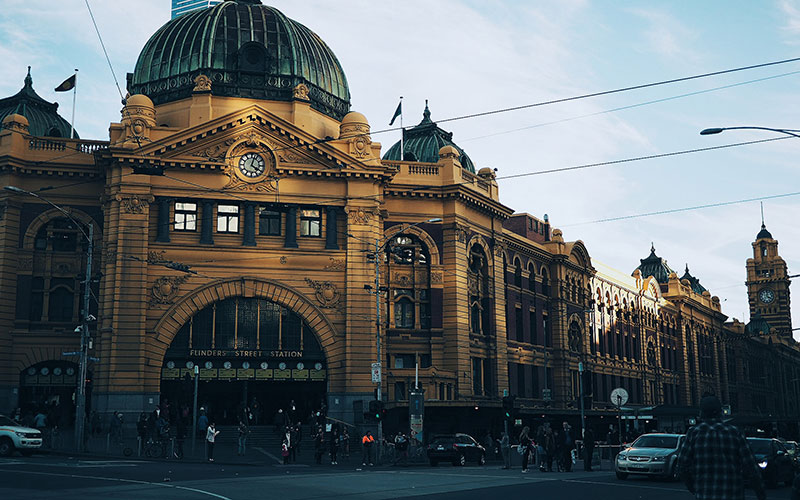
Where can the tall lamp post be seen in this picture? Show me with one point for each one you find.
(379, 244)
(86, 317)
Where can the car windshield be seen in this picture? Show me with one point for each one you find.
(759, 446)
(669, 442)
(7, 421)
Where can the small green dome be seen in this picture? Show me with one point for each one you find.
(655, 266)
(694, 282)
(43, 117)
(423, 142)
(247, 50)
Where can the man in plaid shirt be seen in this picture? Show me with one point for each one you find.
(715, 459)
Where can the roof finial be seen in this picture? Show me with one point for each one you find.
(426, 115)
(28, 79)
(687, 268)
(763, 226)
(652, 248)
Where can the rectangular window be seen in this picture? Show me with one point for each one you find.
(548, 338)
(185, 216)
(269, 222)
(424, 360)
(400, 391)
(404, 361)
(477, 376)
(518, 325)
(310, 222)
(532, 322)
(228, 218)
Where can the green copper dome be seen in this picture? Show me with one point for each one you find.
(694, 282)
(247, 50)
(43, 117)
(423, 142)
(655, 266)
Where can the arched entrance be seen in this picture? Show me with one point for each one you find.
(50, 386)
(248, 352)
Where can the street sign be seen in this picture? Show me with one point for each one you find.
(376, 373)
(619, 397)
(547, 395)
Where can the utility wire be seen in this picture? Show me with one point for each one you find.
(640, 158)
(684, 209)
(630, 106)
(108, 59)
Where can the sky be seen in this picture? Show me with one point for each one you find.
(473, 56)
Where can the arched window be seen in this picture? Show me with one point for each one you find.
(517, 273)
(408, 261)
(531, 277)
(545, 282)
(478, 286)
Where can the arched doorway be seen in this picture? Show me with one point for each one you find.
(50, 386)
(248, 352)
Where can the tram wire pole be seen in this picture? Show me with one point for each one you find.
(194, 413)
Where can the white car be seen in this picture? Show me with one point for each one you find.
(650, 455)
(14, 436)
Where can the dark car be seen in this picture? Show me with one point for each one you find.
(457, 449)
(774, 461)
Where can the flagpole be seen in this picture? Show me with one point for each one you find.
(74, 97)
(402, 146)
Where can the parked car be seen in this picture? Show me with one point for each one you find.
(650, 455)
(457, 449)
(775, 462)
(14, 436)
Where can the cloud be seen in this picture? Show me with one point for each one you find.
(666, 36)
(791, 16)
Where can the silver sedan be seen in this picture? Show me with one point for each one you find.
(650, 455)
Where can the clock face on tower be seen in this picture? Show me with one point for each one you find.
(252, 165)
(766, 295)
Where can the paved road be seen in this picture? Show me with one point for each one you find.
(46, 477)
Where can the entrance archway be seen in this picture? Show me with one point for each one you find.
(247, 352)
(50, 387)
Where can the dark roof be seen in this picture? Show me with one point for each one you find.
(43, 117)
(423, 142)
(763, 233)
(696, 286)
(757, 325)
(655, 266)
(247, 50)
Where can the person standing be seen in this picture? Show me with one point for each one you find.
(588, 449)
(549, 448)
(211, 436)
(334, 446)
(505, 450)
(285, 451)
(566, 442)
(345, 442)
(244, 430)
(715, 460)
(525, 446)
(401, 449)
(366, 442)
(202, 423)
(319, 445)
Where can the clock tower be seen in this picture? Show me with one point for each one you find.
(768, 284)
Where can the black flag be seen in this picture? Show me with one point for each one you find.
(397, 112)
(66, 85)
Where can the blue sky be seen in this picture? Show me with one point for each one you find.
(473, 56)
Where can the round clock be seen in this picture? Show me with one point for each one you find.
(252, 165)
(619, 396)
(246, 365)
(766, 295)
(264, 365)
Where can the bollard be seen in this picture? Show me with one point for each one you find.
(139, 446)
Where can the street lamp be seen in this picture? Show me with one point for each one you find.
(379, 244)
(86, 317)
(719, 130)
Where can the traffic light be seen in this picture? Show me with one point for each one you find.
(508, 407)
(376, 410)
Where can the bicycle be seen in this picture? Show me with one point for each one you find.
(154, 448)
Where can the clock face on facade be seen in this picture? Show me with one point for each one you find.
(766, 295)
(252, 165)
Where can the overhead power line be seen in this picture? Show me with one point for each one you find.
(684, 209)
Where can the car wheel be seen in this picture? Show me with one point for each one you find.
(674, 473)
(460, 461)
(6, 447)
(622, 475)
(434, 463)
(482, 459)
